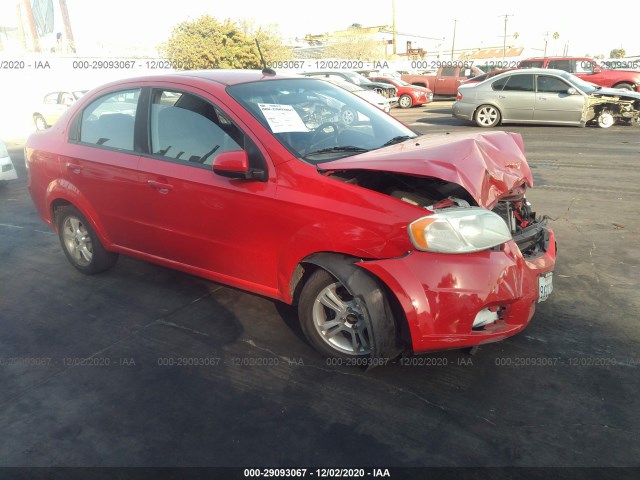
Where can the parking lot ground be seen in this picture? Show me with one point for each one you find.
(145, 366)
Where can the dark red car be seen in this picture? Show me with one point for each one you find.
(386, 241)
(408, 95)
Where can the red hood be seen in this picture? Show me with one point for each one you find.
(487, 165)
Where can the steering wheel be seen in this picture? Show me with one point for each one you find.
(320, 132)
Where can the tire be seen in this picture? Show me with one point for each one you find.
(624, 86)
(605, 119)
(332, 319)
(487, 116)
(349, 116)
(80, 242)
(40, 122)
(405, 101)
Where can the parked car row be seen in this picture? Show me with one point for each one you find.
(7, 170)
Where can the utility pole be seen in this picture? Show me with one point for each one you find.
(393, 26)
(67, 25)
(504, 38)
(32, 26)
(453, 42)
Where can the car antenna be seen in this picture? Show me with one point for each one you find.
(265, 69)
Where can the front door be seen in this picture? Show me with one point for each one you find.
(554, 103)
(198, 218)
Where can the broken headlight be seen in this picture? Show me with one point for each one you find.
(459, 230)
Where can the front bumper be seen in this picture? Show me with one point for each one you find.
(7, 171)
(441, 294)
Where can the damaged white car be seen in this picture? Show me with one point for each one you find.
(547, 97)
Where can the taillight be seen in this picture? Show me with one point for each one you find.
(459, 96)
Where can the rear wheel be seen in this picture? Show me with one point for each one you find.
(332, 319)
(405, 101)
(624, 86)
(487, 116)
(80, 243)
(40, 122)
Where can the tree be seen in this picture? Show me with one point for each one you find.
(617, 53)
(556, 35)
(207, 43)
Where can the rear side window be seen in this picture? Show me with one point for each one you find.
(109, 120)
(565, 65)
(189, 129)
(583, 66)
(499, 84)
(519, 83)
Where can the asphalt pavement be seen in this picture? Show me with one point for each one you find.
(145, 366)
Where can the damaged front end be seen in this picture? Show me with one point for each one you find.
(606, 107)
(482, 258)
(479, 170)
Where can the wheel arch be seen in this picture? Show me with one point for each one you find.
(389, 323)
(62, 193)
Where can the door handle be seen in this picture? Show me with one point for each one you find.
(163, 188)
(74, 167)
(542, 98)
(501, 96)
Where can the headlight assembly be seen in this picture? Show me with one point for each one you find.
(459, 230)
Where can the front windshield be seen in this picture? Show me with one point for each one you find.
(318, 121)
(586, 87)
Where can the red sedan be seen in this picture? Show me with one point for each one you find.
(408, 95)
(385, 240)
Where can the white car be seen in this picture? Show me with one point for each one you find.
(53, 106)
(7, 171)
(370, 96)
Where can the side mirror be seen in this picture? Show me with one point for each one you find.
(235, 164)
(573, 91)
(467, 73)
(597, 70)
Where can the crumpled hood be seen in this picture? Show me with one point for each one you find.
(614, 92)
(487, 165)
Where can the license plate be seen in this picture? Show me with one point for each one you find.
(545, 286)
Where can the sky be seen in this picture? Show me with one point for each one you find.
(479, 24)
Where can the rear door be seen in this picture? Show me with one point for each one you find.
(196, 217)
(101, 164)
(554, 103)
(517, 98)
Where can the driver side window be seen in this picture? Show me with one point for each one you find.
(547, 84)
(187, 128)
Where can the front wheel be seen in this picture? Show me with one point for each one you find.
(605, 119)
(332, 319)
(487, 116)
(80, 242)
(405, 101)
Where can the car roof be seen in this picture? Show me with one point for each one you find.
(223, 77)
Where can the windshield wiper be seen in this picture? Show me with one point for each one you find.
(398, 139)
(346, 149)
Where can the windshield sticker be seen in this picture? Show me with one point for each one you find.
(282, 118)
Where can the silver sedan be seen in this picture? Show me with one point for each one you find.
(544, 96)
